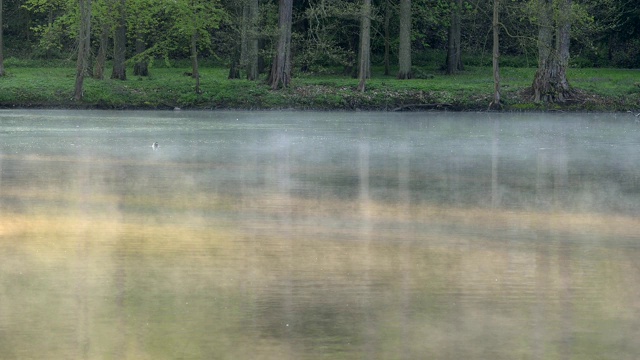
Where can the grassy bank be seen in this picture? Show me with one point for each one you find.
(167, 88)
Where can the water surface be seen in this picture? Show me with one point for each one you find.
(302, 235)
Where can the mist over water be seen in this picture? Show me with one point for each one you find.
(305, 235)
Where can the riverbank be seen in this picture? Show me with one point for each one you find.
(169, 88)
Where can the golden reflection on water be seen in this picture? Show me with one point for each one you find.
(300, 278)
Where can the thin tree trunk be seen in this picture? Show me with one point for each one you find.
(244, 38)
(281, 68)
(194, 61)
(83, 47)
(101, 59)
(387, 37)
(404, 58)
(496, 56)
(120, 44)
(364, 70)
(2, 72)
(252, 41)
(454, 48)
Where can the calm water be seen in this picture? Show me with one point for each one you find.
(298, 235)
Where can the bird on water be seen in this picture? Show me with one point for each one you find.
(155, 145)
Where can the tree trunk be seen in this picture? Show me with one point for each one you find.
(281, 68)
(101, 59)
(195, 72)
(364, 69)
(141, 67)
(252, 41)
(83, 47)
(496, 104)
(244, 38)
(404, 57)
(2, 72)
(454, 48)
(550, 84)
(387, 37)
(120, 44)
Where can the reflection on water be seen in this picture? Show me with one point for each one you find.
(250, 235)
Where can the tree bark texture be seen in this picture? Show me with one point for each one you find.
(120, 44)
(364, 69)
(550, 84)
(281, 68)
(404, 51)
(84, 44)
(454, 48)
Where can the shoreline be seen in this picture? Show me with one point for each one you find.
(168, 89)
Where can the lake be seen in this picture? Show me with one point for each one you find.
(312, 235)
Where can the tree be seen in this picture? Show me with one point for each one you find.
(281, 68)
(364, 68)
(550, 83)
(143, 19)
(387, 37)
(120, 43)
(329, 39)
(84, 45)
(495, 104)
(2, 72)
(101, 58)
(404, 56)
(249, 44)
(454, 47)
(238, 26)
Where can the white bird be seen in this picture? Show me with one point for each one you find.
(155, 146)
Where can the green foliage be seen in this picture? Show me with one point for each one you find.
(56, 31)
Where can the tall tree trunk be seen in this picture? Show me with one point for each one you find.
(120, 44)
(195, 72)
(2, 72)
(387, 37)
(252, 41)
(83, 47)
(364, 68)
(550, 83)
(496, 104)
(454, 48)
(238, 49)
(141, 67)
(404, 57)
(101, 59)
(280, 76)
(244, 38)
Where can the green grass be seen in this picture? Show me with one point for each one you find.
(52, 86)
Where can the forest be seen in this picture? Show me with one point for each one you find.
(274, 41)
